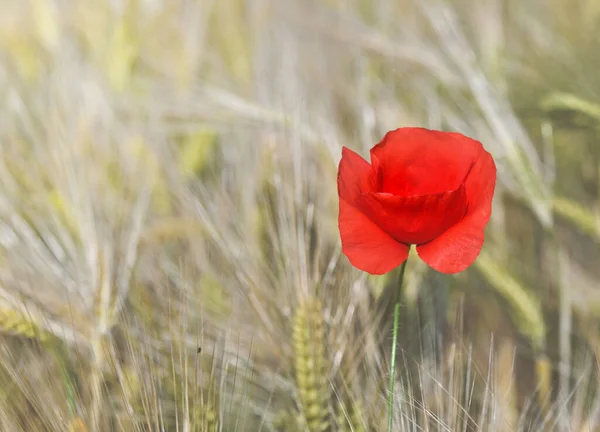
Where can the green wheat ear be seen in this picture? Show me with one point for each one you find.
(543, 372)
(525, 308)
(206, 414)
(206, 410)
(206, 419)
(578, 215)
(20, 324)
(311, 364)
(285, 421)
(570, 102)
(350, 417)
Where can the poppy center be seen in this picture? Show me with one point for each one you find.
(420, 177)
(415, 219)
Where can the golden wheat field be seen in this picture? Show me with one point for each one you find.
(170, 258)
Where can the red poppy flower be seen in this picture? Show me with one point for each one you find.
(428, 188)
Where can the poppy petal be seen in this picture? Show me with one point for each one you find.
(402, 157)
(458, 247)
(366, 245)
(480, 184)
(455, 250)
(414, 219)
(354, 175)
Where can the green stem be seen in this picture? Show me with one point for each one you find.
(394, 347)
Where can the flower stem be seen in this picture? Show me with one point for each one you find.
(394, 347)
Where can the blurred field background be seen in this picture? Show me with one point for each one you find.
(168, 183)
